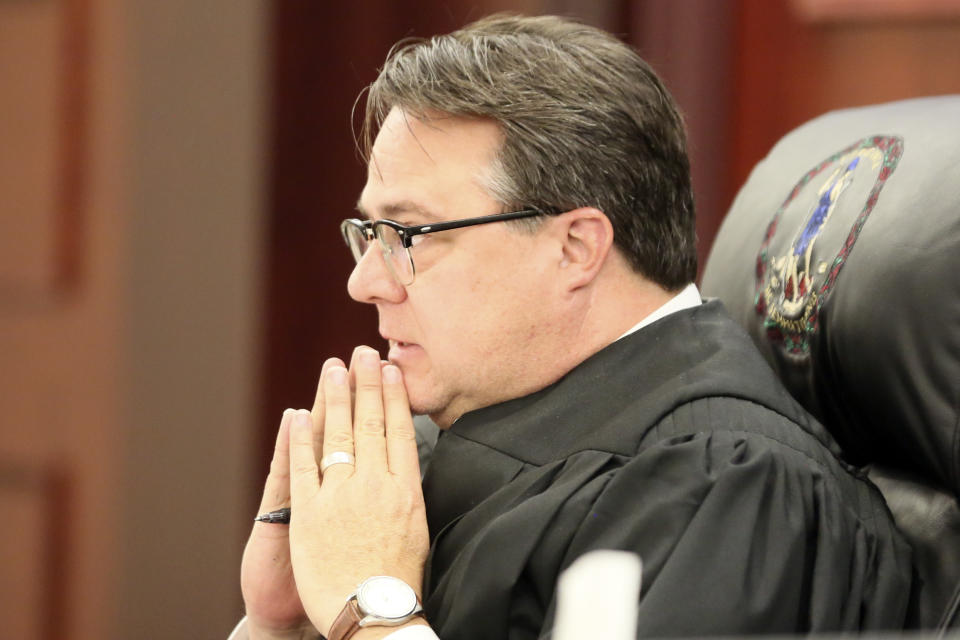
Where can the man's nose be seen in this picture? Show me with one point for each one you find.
(371, 280)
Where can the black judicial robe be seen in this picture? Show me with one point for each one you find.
(676, 443)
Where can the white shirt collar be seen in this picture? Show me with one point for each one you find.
(687, 298)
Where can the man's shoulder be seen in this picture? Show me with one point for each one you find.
(724, 415)
(696, 360)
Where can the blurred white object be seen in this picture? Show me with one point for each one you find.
(597, 597)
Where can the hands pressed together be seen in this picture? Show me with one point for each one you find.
(349, 523)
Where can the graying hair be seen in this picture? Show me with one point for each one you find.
(585, 122)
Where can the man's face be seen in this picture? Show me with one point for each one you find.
(473, 328)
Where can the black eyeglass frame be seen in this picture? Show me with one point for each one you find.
(408, 233)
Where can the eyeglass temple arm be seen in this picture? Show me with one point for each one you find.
(407, 233)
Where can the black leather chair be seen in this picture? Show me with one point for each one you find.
(841, 257)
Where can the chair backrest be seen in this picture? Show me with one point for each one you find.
(841, 258)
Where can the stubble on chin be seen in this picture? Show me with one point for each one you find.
(428, 398)
(418, 395)
(431, 407)
(422, 407)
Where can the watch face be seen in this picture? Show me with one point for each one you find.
(386, 597)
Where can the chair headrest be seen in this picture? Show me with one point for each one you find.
(841, 257)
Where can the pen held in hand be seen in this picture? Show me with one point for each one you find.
(280, 516)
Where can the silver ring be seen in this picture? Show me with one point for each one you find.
(337, 457)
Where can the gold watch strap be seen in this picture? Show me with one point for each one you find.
(347, 623)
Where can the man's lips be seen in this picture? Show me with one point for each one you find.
(399, 349)
(402, 353)
(393, 340)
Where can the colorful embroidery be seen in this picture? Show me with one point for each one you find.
(793, 285)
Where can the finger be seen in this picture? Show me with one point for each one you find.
(318, 408)
(401, 437)
(353, 373)
(368, 433)
(276, 489)
(338, 424)
(304, 474)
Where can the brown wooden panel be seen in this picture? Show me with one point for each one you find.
(43, 70)
(33, 550)
(791, 68)
(28, 128)
(845, 10)
(74, 80)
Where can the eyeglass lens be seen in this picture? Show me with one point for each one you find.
(394, 253)
(398, 258)
(356, 238)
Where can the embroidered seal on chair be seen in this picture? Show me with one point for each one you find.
(805, 248)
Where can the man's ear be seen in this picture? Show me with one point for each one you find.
(586, 238)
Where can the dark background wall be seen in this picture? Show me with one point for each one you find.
(171, 273)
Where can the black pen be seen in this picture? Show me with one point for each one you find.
(280, 516)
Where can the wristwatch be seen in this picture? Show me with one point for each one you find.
(378, 601)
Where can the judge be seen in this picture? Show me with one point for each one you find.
(526, 235)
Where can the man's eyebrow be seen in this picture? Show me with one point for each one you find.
(402, 208)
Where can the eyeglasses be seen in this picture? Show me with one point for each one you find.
(396, 239)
